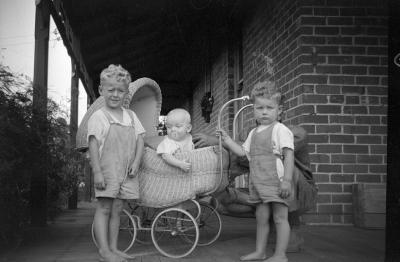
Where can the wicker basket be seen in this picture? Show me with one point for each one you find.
(163, 185)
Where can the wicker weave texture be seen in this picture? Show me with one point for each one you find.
(162, 185)
(81, 134)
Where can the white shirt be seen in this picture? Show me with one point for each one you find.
(281, 137)
(170, 146)
(98, 125)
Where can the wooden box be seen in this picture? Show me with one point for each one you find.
(369, 205)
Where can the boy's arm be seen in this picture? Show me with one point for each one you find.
(173, 161)
(203, 140)
(288, 167)
(230, 144)
(138, 156)
(95, 163)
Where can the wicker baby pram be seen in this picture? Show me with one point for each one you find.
(160, 184)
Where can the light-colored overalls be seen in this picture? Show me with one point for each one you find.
(264, 181)
(117, 156)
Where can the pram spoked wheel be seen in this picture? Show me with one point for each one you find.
(209, 223)
(208, 220)
(127, 232)
(175, 232)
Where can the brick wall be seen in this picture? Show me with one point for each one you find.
(330, 60)
(342, 98)
(221, 90)
(272, 34)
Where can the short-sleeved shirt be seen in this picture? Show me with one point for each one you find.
(170, 146)
(282, 137)
(98, 125)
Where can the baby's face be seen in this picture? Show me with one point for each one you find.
(177, 127)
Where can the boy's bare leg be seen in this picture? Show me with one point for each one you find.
(280, 213)
(114, 223)
(100, 221)
(262, 215)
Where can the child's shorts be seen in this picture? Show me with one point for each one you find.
(127, 189)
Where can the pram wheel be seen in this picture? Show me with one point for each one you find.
(174, 233)
(209, 223)
(127, 232)
(144, 216)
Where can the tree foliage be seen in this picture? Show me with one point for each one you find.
(17, 144)
(10, 81)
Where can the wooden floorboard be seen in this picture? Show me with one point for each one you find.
(68, 239)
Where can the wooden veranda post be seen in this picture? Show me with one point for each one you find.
(73, 125)
(38, 197)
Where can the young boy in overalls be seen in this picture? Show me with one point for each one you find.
(270, 185)
(115, 148)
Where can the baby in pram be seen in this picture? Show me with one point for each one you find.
(178, 138)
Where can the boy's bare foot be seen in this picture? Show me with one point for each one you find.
(277, 259)
(253, 256)
(122, 254)
(108, 256)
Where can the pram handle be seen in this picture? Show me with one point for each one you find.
(243, 98)
(235, 120)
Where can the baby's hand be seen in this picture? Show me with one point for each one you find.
(99, 182)
(222, 133)
(133, 170)
(185, 165)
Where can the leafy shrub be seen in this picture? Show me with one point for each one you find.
(17, 144)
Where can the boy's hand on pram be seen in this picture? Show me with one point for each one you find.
(99, 182)
(185, 165)
(224, 135)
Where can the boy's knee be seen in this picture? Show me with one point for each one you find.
(118, 205)
(117, 208)
(104, 209)
(262, 216)
(261, 213)
(280, 218)
(104, 205)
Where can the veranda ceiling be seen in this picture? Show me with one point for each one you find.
(170, 41)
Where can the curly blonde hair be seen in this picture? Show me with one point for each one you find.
(116, 72)
(266, 89)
